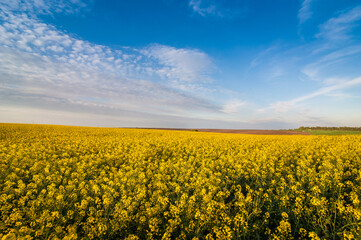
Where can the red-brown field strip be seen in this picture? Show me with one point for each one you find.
(239, 131)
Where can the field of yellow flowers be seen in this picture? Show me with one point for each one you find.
(59, 182)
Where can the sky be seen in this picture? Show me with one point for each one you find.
(236, 64)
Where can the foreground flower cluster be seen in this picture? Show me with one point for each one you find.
(94, 183)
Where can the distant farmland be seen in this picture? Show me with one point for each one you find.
(330, 130)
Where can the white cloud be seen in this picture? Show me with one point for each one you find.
(45, 6)
(233, 106)
(186, 69)
(181, 67)
(197, 7)
(339, 28)
(30, 35)
(341, 95)
(284, 106)
(318, 69)
(261, 56)
(38, 80)
(340, 54)
(305, 13)
(217, 8)
(44, 68)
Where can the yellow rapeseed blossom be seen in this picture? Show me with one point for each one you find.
(59, 182)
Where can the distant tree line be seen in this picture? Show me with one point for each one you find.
(331, 128)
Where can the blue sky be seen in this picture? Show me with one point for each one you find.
(181, 63)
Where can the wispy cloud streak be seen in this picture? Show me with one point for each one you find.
(340, 27)
(197, 7)
(216, 8)
(305, 13)
(284, 106)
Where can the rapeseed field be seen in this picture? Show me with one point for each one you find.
(60, 182)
